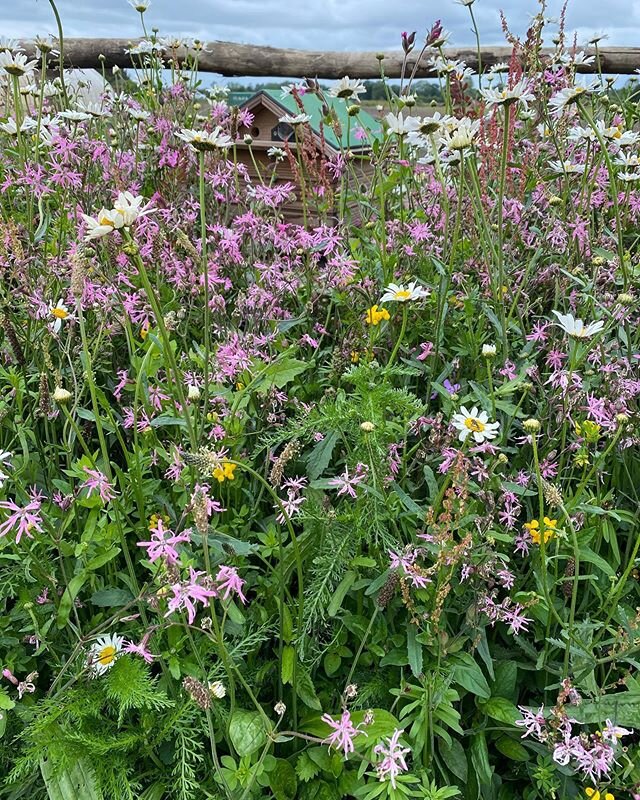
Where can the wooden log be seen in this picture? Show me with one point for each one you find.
(231, 59)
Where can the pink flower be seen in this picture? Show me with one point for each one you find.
(393, 761)
(534, 723)
(140, 649)
(343, 734)
(162, 543)
(187, 594)
(229, 581)
(346, 483)
(24, 519)
(97, 481)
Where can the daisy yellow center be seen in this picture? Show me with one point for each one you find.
(107, 655)
(474, 424)
(403, 294)
(60, 313)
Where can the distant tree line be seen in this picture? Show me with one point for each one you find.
(425, 91)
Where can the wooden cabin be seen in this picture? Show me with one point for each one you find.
(327, 136)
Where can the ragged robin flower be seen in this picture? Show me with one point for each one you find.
(549, 526)
(375, 315)
(224, 471)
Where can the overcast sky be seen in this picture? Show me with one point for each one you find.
(315, 24)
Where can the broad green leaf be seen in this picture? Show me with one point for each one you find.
(468, 674)
(247, 732)
(480, 758)
(281, 373)
(77, 781)
(319, 458)
(282, 781)
(622, 708)
(108, 598)
(454, 757)
(511, 748)
(501, 709)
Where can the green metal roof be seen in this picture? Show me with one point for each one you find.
(313, 107)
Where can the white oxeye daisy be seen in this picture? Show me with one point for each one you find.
(576, 327)
(16, 64)
(346, 88)
(104, 652)
(401, 294)
(476, 424)
(60, 314)
(298, 119)
(206, 140)
(401, 126)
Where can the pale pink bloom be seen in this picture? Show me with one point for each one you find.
(611, 733)
(187, 594)
(97, 481)
(534, 723)
(393, 758)
(25, 519)
(343, 734)
(346, 483)
(162, 543)
(140, 649)
(229, 581)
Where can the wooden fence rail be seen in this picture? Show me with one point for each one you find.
(228, 58)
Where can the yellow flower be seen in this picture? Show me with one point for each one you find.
(534, 529)
(375, 315)
(154, 518)
(144, 330)
(355, 356)
(594, 794)
(224, 471)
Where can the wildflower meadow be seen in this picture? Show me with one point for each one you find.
(342, 505)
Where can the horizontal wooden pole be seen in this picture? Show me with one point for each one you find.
(231, 59)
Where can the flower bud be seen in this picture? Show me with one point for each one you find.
(488, 350)
(61, 395)
(531, 425)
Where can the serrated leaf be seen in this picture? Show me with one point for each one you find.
(306, 690)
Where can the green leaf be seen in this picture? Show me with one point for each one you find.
(246, 731)
(501, 709)
(306, 690)
(511, 748)
(306, 770)
(281, 373)
(319, 458)
(340, 592)
(593, 558)
(331, 663)
(480, 758)
(108, 598)
(288, 664)
(102, 559)
(77, 781)
(283, 781)
(504, 684)
(414, 650)
(66, 601)
(454, 757)
(623, 708)
(468, 674)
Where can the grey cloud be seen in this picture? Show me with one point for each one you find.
(314, 24)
